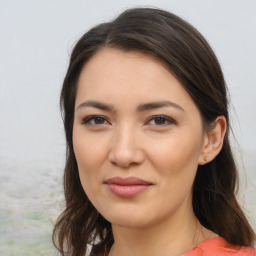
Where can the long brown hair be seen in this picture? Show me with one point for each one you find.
(184, 51)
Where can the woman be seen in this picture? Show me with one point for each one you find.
(149, 167)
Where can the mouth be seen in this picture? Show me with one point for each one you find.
(127, 187)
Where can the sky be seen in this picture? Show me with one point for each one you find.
(36, 41)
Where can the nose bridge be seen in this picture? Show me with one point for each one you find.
(125, 148)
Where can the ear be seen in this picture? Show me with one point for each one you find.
(213, 140)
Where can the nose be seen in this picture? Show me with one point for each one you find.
(126, 149)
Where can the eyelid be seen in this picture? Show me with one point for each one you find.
(168, 119)
(86, 120)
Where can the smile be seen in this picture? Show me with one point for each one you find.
(127, 187)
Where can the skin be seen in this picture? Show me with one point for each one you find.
(126, 139)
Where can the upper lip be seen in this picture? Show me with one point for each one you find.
(127, 181)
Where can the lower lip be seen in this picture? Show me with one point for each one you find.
(127, 190)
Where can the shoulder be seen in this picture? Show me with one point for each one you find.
(219, 246)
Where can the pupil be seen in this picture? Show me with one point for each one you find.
(99, 120)
(160, 120)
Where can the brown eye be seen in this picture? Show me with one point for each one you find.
(94, 120)
(99, 120)
(160, 121)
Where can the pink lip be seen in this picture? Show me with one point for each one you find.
(127, 187)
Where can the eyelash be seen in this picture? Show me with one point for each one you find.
(88, 120)
(167, 120)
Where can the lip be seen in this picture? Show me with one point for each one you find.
(127, 187)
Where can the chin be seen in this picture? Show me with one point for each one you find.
(128, 222)
(128, 218)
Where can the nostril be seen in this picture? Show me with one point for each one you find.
(123, 159)
(126, 158)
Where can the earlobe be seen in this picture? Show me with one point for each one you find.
(213, 140)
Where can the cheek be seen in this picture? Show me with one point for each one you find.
(90, 153)
(176, 152)
(89, 149)
(177, 159)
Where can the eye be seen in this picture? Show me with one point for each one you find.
(95, 120)
(160, 120)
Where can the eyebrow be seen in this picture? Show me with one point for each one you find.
(140, 108)
(96, 104)
(158, 104)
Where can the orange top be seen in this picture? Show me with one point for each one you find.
(218, 246)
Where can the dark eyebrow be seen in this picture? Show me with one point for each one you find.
(140, 108)
(158, 104)
(96, 104)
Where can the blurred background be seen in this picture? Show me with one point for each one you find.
(36, 39)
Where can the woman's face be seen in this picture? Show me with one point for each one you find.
(137, 138)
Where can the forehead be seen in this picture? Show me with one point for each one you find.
(113, 74)
(113, 63)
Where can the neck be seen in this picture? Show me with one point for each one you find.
(173, 237)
